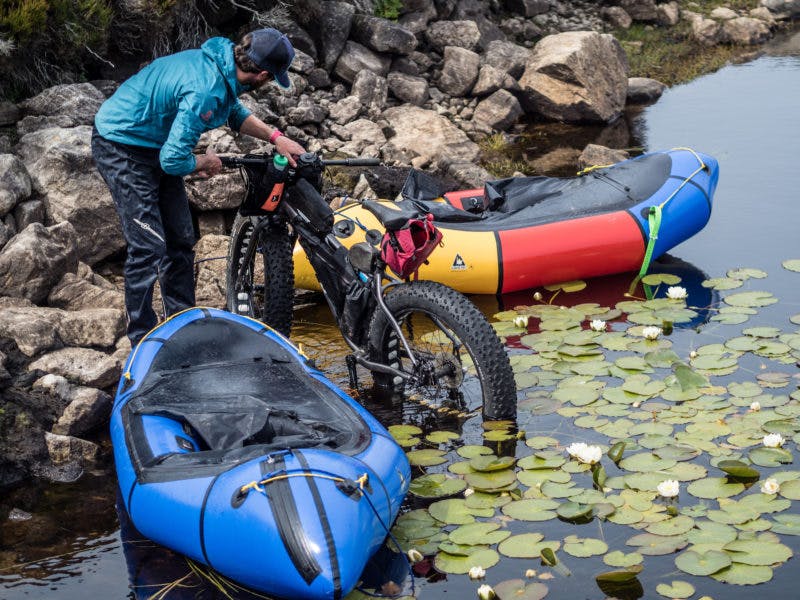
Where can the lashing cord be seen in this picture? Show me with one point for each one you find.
(654, 219)
(362, 482)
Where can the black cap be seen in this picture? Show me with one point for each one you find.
(272, 51)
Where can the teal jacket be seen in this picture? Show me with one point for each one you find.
(173, 100)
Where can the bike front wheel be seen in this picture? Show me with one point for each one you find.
(260, 273)
(460, 359)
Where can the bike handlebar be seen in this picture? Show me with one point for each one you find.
(263, 159)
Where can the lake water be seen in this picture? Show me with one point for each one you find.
(744, 115)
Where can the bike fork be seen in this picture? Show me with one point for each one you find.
(392, 321)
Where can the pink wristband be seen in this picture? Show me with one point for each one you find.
(275, 135)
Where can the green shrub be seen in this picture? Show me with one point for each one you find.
(388, 9)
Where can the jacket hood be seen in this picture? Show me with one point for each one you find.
(220, 50)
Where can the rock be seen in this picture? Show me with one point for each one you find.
(491, 79)
(33, 329)
(405, 65)
(467, 173)
(88, 410)
(34, 260)
(706, 31)
(15, 183)
(346, 109)
(371, 90)
(782, 9)
(498, 112)
(362, 190)
(576, 76)
(302, 63)
(73, 292)
(723, 13)
(63, 172)
(408, 88)
(357, 58)
(508, 57)
(77, 101)
(762, 13)
(382, 35)
(319, 78)
(557, 160)
(54, 385)
(527, 8)
(479, 12)
(643, 90)
(641, 10)
(669, 14)
(365, 138)
(335, 23)
(29, 212)
(616, 16)
(210, 278)
(459, 71)
(305, 112)
(221, 192)
(80, 365)
(9, 113)
(594, 155)
(92, 327)
(64, 449)
(420, 132)
(462, 34)
(745, 31)
(211, 222)
(417, 21)
(300, 39)
(33, 123)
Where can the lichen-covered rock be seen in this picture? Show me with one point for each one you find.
(356, 58)
(80, 365)
(459, 71)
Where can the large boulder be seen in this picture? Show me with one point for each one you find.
(383, 35)
(464, 34)
(34, 329)
(35, 259)
(424, 133)
(507, 56)
(334, 27)
(783, 9)
(63, 172)
(76, 292)
(459, 71)
(745, 31)
(100, 327)
(356, 58)
(498, 112)
(83, 366)
(77, 101)
(221, 192)
(408, 88)
(578, 76)
(15, 183)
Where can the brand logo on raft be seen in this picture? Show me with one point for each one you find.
(458, 264)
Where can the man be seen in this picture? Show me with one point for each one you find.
(143, 144)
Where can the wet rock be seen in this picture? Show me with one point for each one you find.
(408, 88)
(557, 160)
(92, 327)
(346, 109)
(491, 79)
(643, 90)
(745, 31)
(508, 57)
(81, 365)
(462, 34)
(498, 112)
(15, 183)
(594, 155)
(382, 35)
(356, 58)
(63, 172)
(421, 132)
(334, 29)
(33, 329)
(34, 260)
(459, 71)
(65, 449)
(371, 90)
(78, 102)
(577, 76)
(212, 250)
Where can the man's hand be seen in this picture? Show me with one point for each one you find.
(289, 148)
(208, 164)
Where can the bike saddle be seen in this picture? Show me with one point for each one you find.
(392, 217)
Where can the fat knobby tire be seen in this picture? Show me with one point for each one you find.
(460, 315)
(275, 250)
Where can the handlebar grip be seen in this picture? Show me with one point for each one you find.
(352, 162)
(243, 161)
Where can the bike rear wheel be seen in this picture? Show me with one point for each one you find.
(461, 359)
(261, 286)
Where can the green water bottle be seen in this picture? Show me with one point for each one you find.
(277, 176)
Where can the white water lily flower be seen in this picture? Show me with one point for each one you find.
(773, 440)
(585, 453)
(486, 592)
(676, 292)
(537, 296)
(598, 325)
(521, 321)
(477, 572)
(468, 492)
(414, 555)
(651, 332)
(770, 486)
(530, 573)
(693, 354)
(755, 406)
(669, 488)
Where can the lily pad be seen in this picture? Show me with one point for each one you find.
(758, 553)
(526, 545)
(620, 576)
(770, 457)
(738, 469)
(618, 558)
(532, 509)
(436, 485)
(456, 564)
(674, 526)
(706, 563)
(519, 589)
(741, 574)
(452, 512)
(786, 524)
(584, 547)
(426, 458)
(677, 589)
(714, 487)
(479, 533)
(656, 545)
(491, 463)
